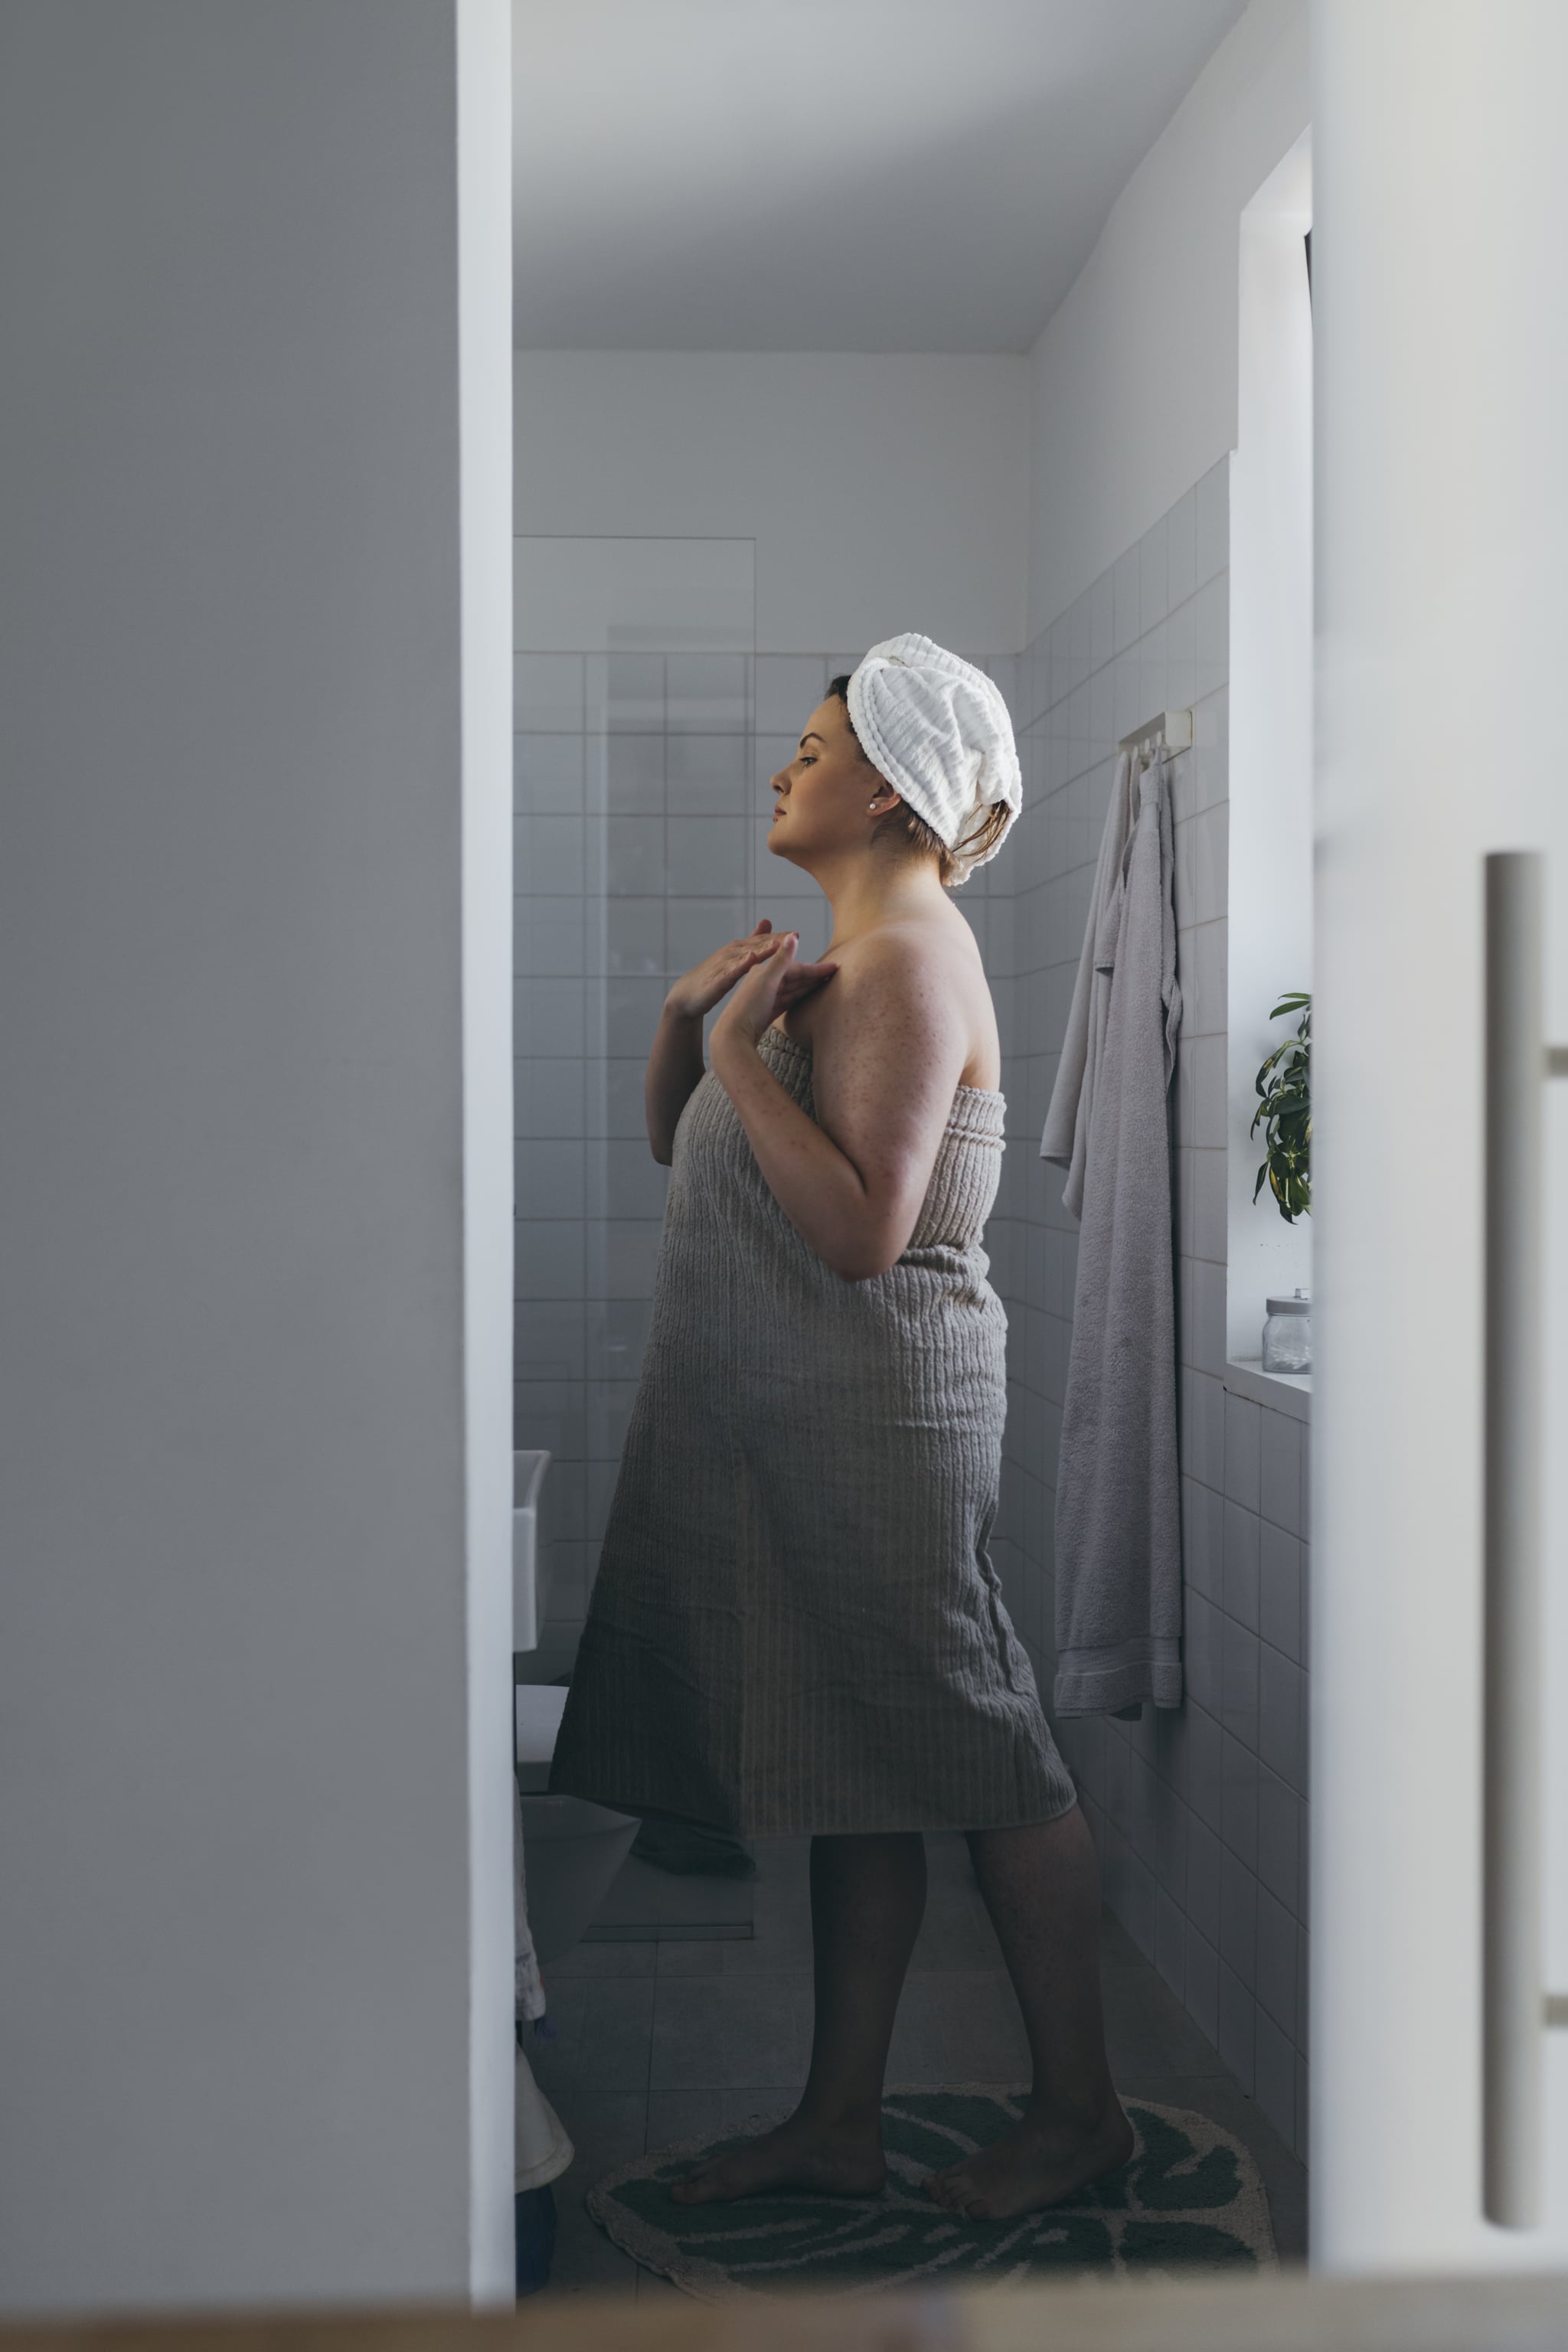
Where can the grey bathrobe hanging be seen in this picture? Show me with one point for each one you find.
(1118, 1526)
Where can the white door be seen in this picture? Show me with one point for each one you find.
(1440, 282)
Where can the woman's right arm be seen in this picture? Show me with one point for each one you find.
(674, 1068)
(675, 1065)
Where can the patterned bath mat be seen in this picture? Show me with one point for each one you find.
(1189, 2199)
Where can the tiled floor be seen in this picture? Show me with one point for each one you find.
(667, 2042)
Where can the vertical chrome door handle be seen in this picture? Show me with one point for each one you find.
(1517, 2008)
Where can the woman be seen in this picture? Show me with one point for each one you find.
(796, 1626)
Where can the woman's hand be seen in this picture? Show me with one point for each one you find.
(675, 1063)
(773, 982)
(888, 1051)
(700, 990)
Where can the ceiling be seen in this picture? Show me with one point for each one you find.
(871, 175)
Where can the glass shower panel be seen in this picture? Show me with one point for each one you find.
(639, 818)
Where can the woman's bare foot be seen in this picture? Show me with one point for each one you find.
(830, 2160)
(1041, 2161)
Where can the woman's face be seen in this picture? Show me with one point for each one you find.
(828, 798)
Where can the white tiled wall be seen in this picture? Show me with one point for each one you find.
(1201, 1814)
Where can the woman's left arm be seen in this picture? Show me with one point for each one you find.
(888, 1051)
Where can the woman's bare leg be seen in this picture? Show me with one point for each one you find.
(867, 1894)
(1041, 1886)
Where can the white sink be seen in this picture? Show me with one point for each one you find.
(530, 1599)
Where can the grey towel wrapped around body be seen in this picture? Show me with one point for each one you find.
(797, 1624)
(1118, 1521)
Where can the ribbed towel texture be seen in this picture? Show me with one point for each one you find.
(796, 1626)
(1117, 1526)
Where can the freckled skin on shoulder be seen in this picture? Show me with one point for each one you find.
(907, 1019)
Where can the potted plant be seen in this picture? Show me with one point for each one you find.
(1285, 1113)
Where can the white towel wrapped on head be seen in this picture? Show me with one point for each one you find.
(939, 730)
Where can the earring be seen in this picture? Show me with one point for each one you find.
(870, 805)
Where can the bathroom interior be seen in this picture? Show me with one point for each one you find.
(429, 527)
(755, 435)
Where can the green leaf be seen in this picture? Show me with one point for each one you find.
(1284, 1112)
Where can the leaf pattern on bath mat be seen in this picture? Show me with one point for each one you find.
(1189, 2198)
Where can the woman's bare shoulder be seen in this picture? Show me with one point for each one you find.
(879, 968)
(915, 985)
(907, 945)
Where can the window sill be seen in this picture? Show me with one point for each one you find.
(1289, 1392)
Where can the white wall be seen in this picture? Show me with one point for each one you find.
(883, 491)
(1269, 938)
(484, 165)
(1442, 612)
(1134, 377)
(1201, 1814)
(252, 695)
(889, 483)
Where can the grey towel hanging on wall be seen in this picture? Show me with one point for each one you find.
(1117, 1519)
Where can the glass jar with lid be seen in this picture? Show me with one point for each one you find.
(1287, 1334)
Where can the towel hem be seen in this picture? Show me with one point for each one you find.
(800, 1821)
(1098, 1682)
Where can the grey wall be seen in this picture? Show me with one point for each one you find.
(238, 1973)
(1201, 1814)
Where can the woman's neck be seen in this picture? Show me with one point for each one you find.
(867, 892)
